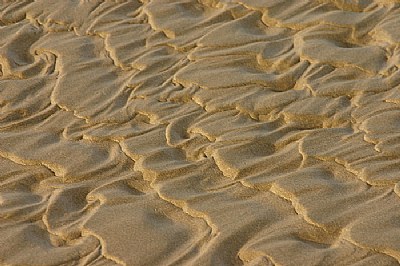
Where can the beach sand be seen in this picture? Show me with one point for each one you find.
(200, 132)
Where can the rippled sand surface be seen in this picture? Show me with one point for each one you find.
(184, 132)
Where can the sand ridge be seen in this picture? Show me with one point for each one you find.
(180, 132)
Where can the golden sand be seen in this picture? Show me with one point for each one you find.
(200, 132)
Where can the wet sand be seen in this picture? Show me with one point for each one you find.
(241, 132)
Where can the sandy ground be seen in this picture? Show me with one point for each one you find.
(256, 132)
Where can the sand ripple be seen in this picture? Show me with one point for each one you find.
(200, 132)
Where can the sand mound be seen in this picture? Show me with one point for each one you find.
(179, 132)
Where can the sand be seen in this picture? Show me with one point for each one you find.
(184, 132)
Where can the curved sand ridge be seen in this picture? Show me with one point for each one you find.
(200, 132)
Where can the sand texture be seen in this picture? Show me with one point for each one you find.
(199, 132)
